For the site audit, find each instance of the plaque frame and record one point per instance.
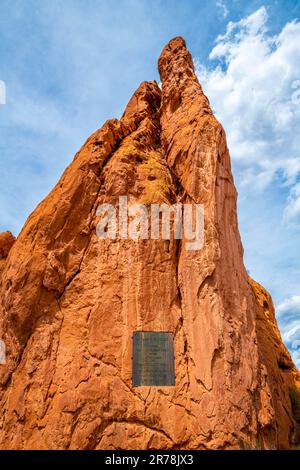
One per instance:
(153, 359)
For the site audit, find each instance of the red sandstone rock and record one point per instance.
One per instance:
(6, 242)
(70, 302)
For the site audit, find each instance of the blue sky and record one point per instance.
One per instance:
(70, 65)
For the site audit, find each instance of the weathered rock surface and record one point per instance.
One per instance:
(70, 301)
(6, 242)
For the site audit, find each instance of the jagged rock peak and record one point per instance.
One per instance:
(180, 84)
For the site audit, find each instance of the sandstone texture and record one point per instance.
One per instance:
(6, 242)
(70, 302)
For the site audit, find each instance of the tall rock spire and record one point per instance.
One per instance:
(70, 302)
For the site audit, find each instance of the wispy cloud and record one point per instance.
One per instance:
(292, 210)
(289, 320)
(250, 87)
(222, 8)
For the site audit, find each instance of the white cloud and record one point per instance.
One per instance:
(296, 94)
(289, 321)
(65, 80)
(292, 210)
(222, 8)
(2, 92)
(288, 305)
(251, 85)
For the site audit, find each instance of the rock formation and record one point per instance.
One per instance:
(70, 301)
(6, 242)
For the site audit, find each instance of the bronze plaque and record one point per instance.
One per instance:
(153, 358)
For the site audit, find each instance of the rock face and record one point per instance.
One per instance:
(6, 242)
(70, 301)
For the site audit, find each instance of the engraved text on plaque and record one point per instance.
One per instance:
(153, 358)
